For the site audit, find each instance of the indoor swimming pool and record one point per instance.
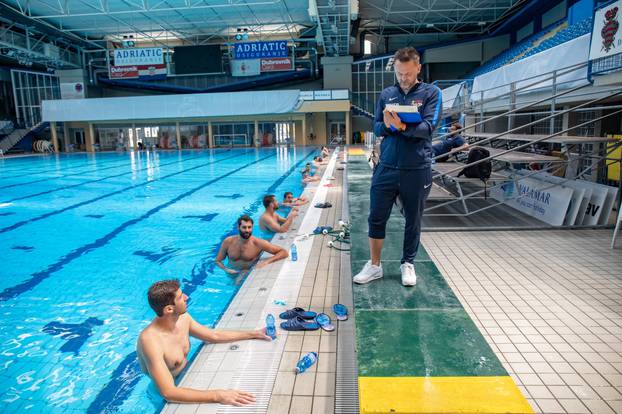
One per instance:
(84, 236)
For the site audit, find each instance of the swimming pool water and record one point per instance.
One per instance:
(83, 237)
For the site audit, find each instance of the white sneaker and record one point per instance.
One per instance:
(409, 278)
(368, 273)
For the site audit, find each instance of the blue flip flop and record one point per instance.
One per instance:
(299, 324)
(321, 229)
(294, 312)
(341, 311)
(325, 323)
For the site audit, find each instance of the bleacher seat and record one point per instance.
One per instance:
(527, 47)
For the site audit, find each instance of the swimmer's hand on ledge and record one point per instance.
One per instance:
(234, 397)
(261, 334)
(262, 263)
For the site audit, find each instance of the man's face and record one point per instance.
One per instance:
(246, 229)
(289, 198)
(406, 73)
(181, 303)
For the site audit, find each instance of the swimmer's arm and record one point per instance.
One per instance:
(222, 253)
(281, 219)
(278, 253)
(270, 223)
(215, 336)
(161, 376)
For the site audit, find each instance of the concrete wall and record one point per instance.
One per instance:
(317, 126)
(463, 52)
(362, 123)
(554, 14)
(337, 72)
(475, 51)
(525, 31)
(492, 47)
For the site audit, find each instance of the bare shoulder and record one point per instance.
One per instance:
(149, 338)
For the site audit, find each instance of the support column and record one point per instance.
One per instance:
(210, 136)
(66, 136)
(348, 136)
(178, 135)
(54, 136)
(304, 130)
(90, 138)
(256, 139)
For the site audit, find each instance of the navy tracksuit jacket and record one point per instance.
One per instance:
(404, 167)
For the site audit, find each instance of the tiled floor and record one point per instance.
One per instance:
(314, 390)
(550, 305)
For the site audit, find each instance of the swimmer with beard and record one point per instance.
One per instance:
(244, 250)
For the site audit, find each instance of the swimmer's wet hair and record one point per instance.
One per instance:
(267, 200)
(162, 294)
(244, 217)
(286, 194)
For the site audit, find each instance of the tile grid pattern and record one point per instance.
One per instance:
(549, 303)
(314, 390)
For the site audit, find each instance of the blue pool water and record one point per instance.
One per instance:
(83, 236)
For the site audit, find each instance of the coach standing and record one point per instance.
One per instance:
(404, 168)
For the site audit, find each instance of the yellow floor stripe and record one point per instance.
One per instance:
(441, 395)
(355, 151)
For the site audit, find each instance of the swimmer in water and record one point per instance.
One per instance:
(163, 347)
(270, 220)
(244, 249)
(290, 201)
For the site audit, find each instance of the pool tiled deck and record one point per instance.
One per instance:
(418, 349)
(549, 303)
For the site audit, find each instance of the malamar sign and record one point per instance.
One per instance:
(259, 50)
(138, 56)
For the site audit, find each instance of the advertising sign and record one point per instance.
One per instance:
(535, 198)
(138, 56)
(137, 71)
(245, 67)
(322, 95)
(277, 64)
(72, 90)
(260, 50)
(606, 33)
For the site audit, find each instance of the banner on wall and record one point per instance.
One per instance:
(260, 50)
(277, 64)
(72, 90)
(606, 33)
(245, 67)
(138, 56)
(147, 72)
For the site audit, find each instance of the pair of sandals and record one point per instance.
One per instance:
(299, 319)
(323, 205)
(322, 230)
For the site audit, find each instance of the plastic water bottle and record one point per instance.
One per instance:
(306, 362)
(270, 329)
(294, 252)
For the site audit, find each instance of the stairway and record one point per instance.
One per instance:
(12, 139)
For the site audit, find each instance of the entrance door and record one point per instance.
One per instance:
(284, 133)
(337, 133)
(78, 140)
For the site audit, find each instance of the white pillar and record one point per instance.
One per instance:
(54, 136)
(178, 135)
